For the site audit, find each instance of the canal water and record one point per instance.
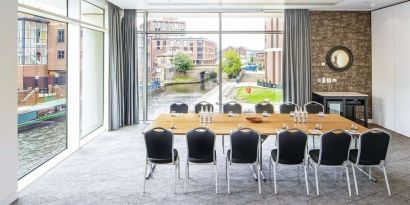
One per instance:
(38, 145)
(159, 101)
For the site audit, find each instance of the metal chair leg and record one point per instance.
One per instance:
(317, 182)
(226, 168)
(355, 180)
(227, 177)
(179, 169)
(306, 180)
(188, 170)
(145, 177)
(186, 176)
(175, 179)
(370, 173)
(387, 180)
(348, 180)
(274, 178)
(259, 178)
(216, 178)
(270, 167)
(223, 144)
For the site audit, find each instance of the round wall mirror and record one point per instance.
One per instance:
(339, 58)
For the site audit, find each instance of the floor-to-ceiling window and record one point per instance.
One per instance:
(92, 80)
(92, 70)
(60, 80)
(42, 90)
(183, 55)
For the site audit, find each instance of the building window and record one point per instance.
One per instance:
(60, 36)
(60, 55)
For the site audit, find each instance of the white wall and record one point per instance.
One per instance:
(383, 67)
(8, 105)
(391, 70)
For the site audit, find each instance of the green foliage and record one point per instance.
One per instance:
(231, 63)
(213, 75)
(252, 60)
(182, 62)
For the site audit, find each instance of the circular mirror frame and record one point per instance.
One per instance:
(329, 58)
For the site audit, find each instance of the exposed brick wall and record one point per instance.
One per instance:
(350, 29)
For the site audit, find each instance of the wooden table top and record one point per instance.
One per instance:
(223, 124)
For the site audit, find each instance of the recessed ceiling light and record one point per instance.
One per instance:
(372, 5)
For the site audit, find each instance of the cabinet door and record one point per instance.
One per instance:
(383, 67)
(402, 68)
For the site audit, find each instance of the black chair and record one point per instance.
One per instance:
(314, 107)
(287, 107)
(178, 107)
(290, 151)
(264, 107)
(204, 105)
(245, 145)
(334, 151)
(201, 150)
(372, 152)
(232, 107)
(159, 144)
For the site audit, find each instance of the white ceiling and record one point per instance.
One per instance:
(254, 4)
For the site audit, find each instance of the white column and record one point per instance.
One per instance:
(8, 105)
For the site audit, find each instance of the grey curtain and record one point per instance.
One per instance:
(122, 77)
(116, 108)
(130, 81)
(297, 57)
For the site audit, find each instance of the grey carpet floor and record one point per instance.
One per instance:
(110, 168)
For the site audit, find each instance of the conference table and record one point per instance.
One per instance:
(222, 124)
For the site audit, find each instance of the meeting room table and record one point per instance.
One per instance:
(223, 124)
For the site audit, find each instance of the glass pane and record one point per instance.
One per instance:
(252, 22)
(92, 80)
(42, 124)
(55, 6)
(252, 69)
(92, 14)
(183, 22)
(181, 68)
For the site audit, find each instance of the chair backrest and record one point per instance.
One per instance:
(201, 143)
(179, 107)
(159, 143)
(233, 107)
(203, 104)
(314, 107)
(264, 106)
(334, 147)
(287, 107)
(373, 147)
(291, 146)
(245, 144)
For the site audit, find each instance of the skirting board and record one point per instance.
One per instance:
(9, 199)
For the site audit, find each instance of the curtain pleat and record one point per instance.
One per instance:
(297, 57)
(123, 99)
(130, 81)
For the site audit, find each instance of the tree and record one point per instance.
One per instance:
(182, 62)
(231, 63)
(252, 60)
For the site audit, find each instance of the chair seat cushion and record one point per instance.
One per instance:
(207, 159)
(239, 161)
(164, 161)
(314, 155)
(274, 155)
(353, 154)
